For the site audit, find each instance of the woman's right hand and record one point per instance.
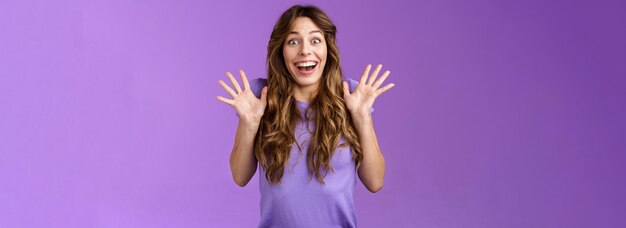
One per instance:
(249, 108)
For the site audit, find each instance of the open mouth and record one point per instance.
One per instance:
(306, 67)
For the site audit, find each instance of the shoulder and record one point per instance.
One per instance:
(256, 85)
(351, 84)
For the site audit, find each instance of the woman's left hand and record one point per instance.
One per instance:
(360, 101)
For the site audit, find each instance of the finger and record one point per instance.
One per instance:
(232, 80)
(346, 89)
(244, 79)
(227, 101)
(387, 87)
(374, 74)
(227, 88)
(381, 80)
(365, 74)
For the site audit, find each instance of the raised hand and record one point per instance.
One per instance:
(248, 106)
(360, 101)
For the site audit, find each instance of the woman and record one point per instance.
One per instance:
(304, 121)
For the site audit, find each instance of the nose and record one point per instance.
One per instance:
(306, 50)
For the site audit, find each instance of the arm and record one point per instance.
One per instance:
(243, 163)
(372, 169)
(249, 109)
(359, 103)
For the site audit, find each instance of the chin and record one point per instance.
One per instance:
(308, 80)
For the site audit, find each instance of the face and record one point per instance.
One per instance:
(305, 52)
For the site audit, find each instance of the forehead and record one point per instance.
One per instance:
(304, 25)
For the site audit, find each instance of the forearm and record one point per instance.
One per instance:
(372, 169)
(243, 163)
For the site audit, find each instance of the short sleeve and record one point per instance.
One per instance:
(352, 85)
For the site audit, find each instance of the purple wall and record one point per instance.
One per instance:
(504, 114)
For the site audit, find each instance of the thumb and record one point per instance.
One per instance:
(346, 90)
(264, 95)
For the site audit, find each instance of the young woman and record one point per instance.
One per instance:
(306, 122)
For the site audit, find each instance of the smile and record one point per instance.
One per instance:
(306, 67)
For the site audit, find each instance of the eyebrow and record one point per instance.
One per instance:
(318, 31)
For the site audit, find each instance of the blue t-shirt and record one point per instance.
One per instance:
(296, 202)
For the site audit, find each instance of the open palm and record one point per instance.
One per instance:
(248, 106)
(361, 100)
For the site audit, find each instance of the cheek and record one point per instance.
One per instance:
(323, 55)
(323, 52)
(287, 55)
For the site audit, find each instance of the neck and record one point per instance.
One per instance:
(305, 93)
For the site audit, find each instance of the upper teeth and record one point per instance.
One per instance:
(306, 64)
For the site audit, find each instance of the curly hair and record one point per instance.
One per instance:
(328, 110)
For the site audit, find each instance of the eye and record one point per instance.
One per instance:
(316, 41)
(293, 42)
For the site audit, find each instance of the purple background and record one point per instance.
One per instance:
(504, 114)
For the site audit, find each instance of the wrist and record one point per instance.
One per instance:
(251, 123)
(361, 120)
